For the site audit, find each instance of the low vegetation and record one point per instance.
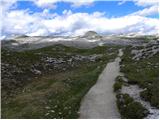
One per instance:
(118, 83)
(50, 82)
(130, 108)
(139, 64)
(143, 72)
(144, 38)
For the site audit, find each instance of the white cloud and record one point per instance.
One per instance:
(52, 3)
(146, 2)
(46, 3)
(69, 23)
(39, 32)
(18, 22)
(147, 11)
(21, 22)
(81, 3)
(46, 14)
(67, 12)
(6, 4)
(122, 2)
(49, 4)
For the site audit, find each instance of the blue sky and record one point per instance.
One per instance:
(111, 8)
(71, 17)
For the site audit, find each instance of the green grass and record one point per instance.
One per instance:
(64, 90)
(144, 38)
(145, 73)
(53, 94)
(129, 108)
(118, 84)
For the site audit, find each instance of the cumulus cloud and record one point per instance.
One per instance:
(81, 3)
(150, 7)
(49, 4)
(46, 3)
(147, 11)
(122, 2)
(6, 4)
(20, 22)
(69, 23)
(52, 3)
(146, 3)
(39, 32)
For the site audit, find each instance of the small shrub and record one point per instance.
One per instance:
(145, 95)
(117, 86)
(129, 108)
(135, 110)
(152, 95)
(143, 73)
(119, 78)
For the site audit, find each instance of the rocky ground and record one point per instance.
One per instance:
(140, 81)
(50, 82)
(89, 40)
(46, 77)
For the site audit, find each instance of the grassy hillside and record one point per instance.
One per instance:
(50, 82)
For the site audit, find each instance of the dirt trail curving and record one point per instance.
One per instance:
(100, 101)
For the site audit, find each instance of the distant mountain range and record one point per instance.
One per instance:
(87, 35)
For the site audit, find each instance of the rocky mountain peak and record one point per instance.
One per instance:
(91, 35)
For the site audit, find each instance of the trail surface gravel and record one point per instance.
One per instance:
(100, 101)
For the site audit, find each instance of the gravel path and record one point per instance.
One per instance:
(100, 101)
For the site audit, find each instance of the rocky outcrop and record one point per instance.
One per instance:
(92, 35)
(147, 51)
